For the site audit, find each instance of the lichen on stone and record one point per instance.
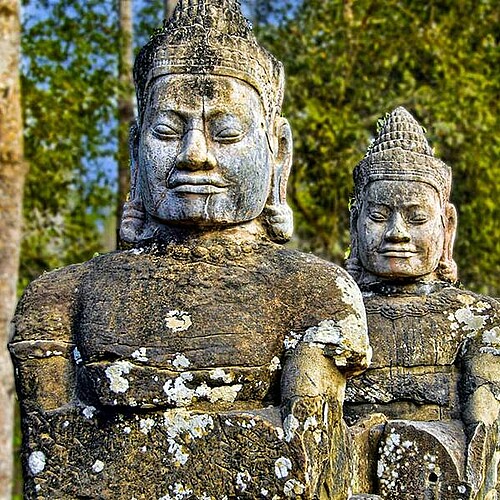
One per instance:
(115, 372)
(36, 462)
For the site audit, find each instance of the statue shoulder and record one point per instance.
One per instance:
(472, 311)
(46, 307)
(322, 285)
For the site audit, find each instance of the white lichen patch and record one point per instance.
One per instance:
(179, 492)
(181, 422)
(280, 433)
(179, 453)
(275, 364)
(88, 411)
(291, 341)
(178, 321)
(182, 425)
(177, 391)
(127, 430)
(471, 318)
(392, 454)
(115, 373)
(282, 467)
(244, 424)
(310, 423)
(293, 487)
(146, 424)
(203, 391)
(98, 466)
(327, 332)
(350, 292)
(492, 337)
(227, 393)
(140, 355)
(77, 356)
(36, 462)
(468, 300)
(264, 492)
(220, 374)
(290, 427)
(242, 480)
(468, 320)
(180, 361)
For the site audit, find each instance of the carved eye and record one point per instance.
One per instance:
(418, 219)
(377, 216)
(164, 131)
(227, 128)
(228, 135)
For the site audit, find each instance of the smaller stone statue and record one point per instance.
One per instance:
(425, 415)
(206, 361)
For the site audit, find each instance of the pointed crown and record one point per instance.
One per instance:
(210, 37)
(401, 152)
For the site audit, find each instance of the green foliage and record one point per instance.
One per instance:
(69, 88)
(348, 63)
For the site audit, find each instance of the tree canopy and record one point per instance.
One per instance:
(347, 62)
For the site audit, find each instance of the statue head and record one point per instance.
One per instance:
(402, 224)
(209, 148)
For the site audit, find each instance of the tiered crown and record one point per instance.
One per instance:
(401, 152)
(210, 37)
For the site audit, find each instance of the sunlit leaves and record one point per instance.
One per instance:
(348, 63)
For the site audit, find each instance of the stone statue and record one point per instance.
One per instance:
(426, 412)
(206, 361)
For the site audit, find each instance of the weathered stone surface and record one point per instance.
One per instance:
(126, 391)
(435, 373)
(205, 361)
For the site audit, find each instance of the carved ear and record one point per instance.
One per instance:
(133, 215)
(277, 215)
(133, 144)
(283, 160)
(447, 267)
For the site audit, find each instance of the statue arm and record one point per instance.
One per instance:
(344, 337)
(42, 346)
(481, 370)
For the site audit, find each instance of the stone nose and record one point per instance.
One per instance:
(396, 230)
(195, 154)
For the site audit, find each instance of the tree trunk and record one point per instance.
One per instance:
(169, 6)
(12, 174)
(125, 104)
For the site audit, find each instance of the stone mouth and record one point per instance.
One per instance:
(402, 253)
(198, 189)
(206, 184)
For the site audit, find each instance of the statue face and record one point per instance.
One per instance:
(400, 229)
(203, 154)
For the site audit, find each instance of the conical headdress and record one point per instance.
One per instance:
(210, 37)
(401, 152)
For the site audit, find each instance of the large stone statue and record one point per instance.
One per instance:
(206, 361)
(434, 383)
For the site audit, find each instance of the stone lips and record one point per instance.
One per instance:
(210, 37)
(401, 152)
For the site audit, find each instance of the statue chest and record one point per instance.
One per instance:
(180, 333)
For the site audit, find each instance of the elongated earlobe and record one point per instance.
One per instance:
(278, 216)
(447, 269)
(133, 214)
